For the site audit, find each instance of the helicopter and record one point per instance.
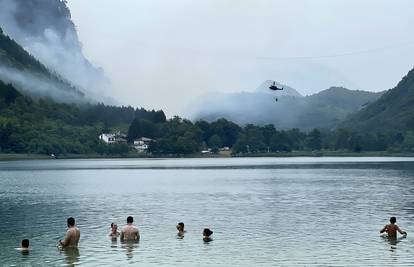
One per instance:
(274, 87)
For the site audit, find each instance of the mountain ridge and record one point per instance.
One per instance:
(394, 110)
(325, 109)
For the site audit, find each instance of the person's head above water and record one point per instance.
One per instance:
(71, 221)
(130, 219)
(207, 232)
(25, 243)
(180, 226)
(393, 220)
(114, 226)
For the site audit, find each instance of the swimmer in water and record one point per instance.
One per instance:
(114, 231)
(207, 235)
(391, 229)
(130, 232)
(180, 228)
(72, 235)
(24, 246)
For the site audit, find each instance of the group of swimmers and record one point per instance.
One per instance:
(129, 233)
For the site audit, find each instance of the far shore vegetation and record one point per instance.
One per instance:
(42, 128)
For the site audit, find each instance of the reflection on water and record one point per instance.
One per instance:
(264, 212)
(393, 241)
(129, 247)
(180, 236)
(114, 242)
(25, 252)
(71, 255)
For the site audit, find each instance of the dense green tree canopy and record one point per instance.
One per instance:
(44, 126)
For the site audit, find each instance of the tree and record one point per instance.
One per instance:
(178, 137)
(268, 131)
(215, 143)
(228, 131)
(408, 143)
(341, 139)
(314, 140)
(355, 143)
(251, 141)
(280, 142)
(141, 128)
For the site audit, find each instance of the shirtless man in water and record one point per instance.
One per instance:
(130, 232)
(72, 235)
(392, 229)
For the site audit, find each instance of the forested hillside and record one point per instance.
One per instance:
(17, 66)
(46, 30)
(328, 108)
(44, 126)
(393, 111)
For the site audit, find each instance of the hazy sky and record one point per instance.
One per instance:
(165, 53)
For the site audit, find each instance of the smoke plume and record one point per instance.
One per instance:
(45, 29)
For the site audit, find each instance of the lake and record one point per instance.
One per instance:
(263, 211)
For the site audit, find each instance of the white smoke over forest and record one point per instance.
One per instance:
(45, 29)
(285, 109)
(39, 86)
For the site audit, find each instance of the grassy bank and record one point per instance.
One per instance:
(4, 156)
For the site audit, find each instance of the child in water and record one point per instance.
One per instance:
(180, 229)
(207, 235)
(114, 231)
(392, 229)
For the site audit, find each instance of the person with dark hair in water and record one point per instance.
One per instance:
(114, 231)
(130, 232)
(207, 235)
(24, 246)
(180, 228)
(391, 229)
(72, 234)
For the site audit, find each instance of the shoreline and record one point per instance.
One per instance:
(15, 156)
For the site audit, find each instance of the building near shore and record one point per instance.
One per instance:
(142, 144)
(113, 138)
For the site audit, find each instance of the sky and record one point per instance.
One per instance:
(164, 54)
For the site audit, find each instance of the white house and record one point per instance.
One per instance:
(142, 144)
(116, 138)
(107, 138)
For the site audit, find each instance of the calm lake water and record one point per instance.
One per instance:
(263, 211)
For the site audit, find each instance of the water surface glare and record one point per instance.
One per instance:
(263, 211)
